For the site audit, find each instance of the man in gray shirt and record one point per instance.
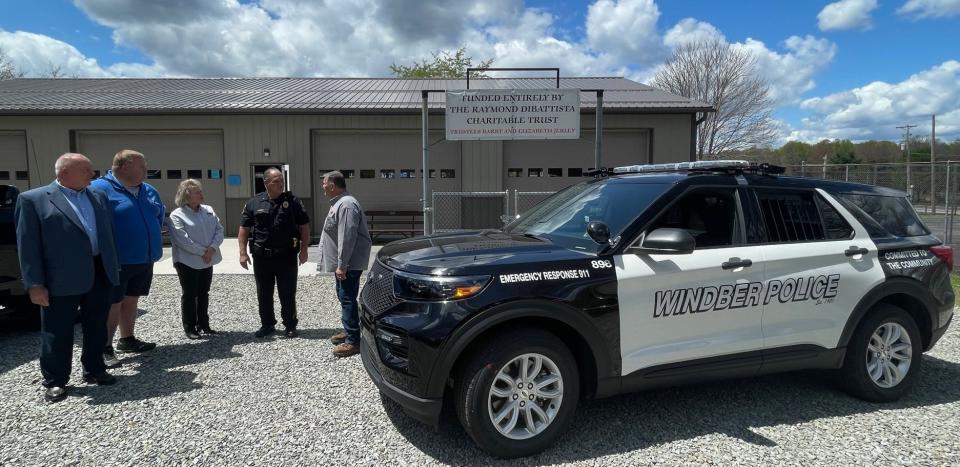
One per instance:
(345, 251)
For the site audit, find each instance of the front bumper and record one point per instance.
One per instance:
(424, 410)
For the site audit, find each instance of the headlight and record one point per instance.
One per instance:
(419, 287)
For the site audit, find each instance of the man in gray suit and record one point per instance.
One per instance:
(69, 262)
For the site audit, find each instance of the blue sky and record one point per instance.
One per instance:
(844, 69)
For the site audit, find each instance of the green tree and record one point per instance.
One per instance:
(795, 152)
(843, 153)
(878, 151)
(444, 65)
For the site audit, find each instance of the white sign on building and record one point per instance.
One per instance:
(500, 114)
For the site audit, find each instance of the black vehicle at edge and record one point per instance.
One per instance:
(440, 314)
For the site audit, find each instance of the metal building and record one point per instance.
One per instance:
(227, 131)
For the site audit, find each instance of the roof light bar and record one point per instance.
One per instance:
(683, 166)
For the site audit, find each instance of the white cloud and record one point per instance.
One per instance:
(625, 29)
(846, 14)
(930, 8)
(689, 30)
(874, 110)
(38, 55)
(792, 73)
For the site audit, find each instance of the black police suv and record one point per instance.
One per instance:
(650, 276)
(13, 297)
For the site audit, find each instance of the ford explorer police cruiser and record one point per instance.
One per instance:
(649, 276)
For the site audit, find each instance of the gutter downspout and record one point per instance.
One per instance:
(693, 134)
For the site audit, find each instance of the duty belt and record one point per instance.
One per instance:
(258, 250)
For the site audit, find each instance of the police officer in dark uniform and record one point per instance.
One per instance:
(276, 226)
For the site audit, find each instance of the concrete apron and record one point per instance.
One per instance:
(231, 261)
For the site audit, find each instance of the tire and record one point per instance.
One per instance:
(497, 365)
(883, 356)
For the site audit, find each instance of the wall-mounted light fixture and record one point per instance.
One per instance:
(266, 152)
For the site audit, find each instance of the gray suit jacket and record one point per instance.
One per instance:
(53, 246)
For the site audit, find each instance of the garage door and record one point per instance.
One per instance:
(171, 158)
(13, 161)
(549, 165)
(383, 169)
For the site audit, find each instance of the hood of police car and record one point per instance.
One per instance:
(474, 252)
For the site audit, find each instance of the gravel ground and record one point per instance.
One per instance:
(234, 400)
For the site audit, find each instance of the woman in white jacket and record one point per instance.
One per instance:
(196, 234)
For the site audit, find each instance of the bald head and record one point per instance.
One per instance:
(273, 182)
(73, 170)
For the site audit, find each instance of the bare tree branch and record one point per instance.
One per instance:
(714, 73)
(7, 68)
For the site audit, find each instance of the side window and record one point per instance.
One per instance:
(710, 215)
(791, 216)
(894, 215)
(836, 227)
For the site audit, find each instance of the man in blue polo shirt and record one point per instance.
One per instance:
(138, 215)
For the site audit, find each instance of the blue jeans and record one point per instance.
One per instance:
(347, 291)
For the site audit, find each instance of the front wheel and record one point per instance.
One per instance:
(516, 395)
(883, 356)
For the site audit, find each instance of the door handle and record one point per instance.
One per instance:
(853, 251)
(734, 263)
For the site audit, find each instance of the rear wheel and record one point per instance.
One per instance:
(517, 393)
(883, 356)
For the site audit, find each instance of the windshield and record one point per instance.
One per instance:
(563, 217)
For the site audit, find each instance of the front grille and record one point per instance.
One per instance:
(378, 293)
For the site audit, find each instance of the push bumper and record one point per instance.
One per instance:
(424, 410)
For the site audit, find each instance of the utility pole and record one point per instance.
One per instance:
(907, 128)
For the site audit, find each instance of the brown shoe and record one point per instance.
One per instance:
(338, 339)
(346, 350)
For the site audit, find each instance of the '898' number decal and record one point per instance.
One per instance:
(601, 264)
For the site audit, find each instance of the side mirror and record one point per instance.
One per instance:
(668, 241)
(599, 232)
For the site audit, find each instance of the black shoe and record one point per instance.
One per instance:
(103, 378)
(110, 358)
(55, 394)
(264, 331)
(132, 344)
(207, 331)
(191, 334)
(291, 332)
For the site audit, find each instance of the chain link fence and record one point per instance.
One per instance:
(524, 200)
(469, 210)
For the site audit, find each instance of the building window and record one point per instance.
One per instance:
(433, 173)
(367, 173)
(514, 173)
(324, 171)
(196, 174)
(4, 175)
(23, 175)
(214, 174)
(157, 174)
(408, 173)
(535, 172)
(388, 173)
(575, 172)
(555, 172)
(447, 173)
(348, 173)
